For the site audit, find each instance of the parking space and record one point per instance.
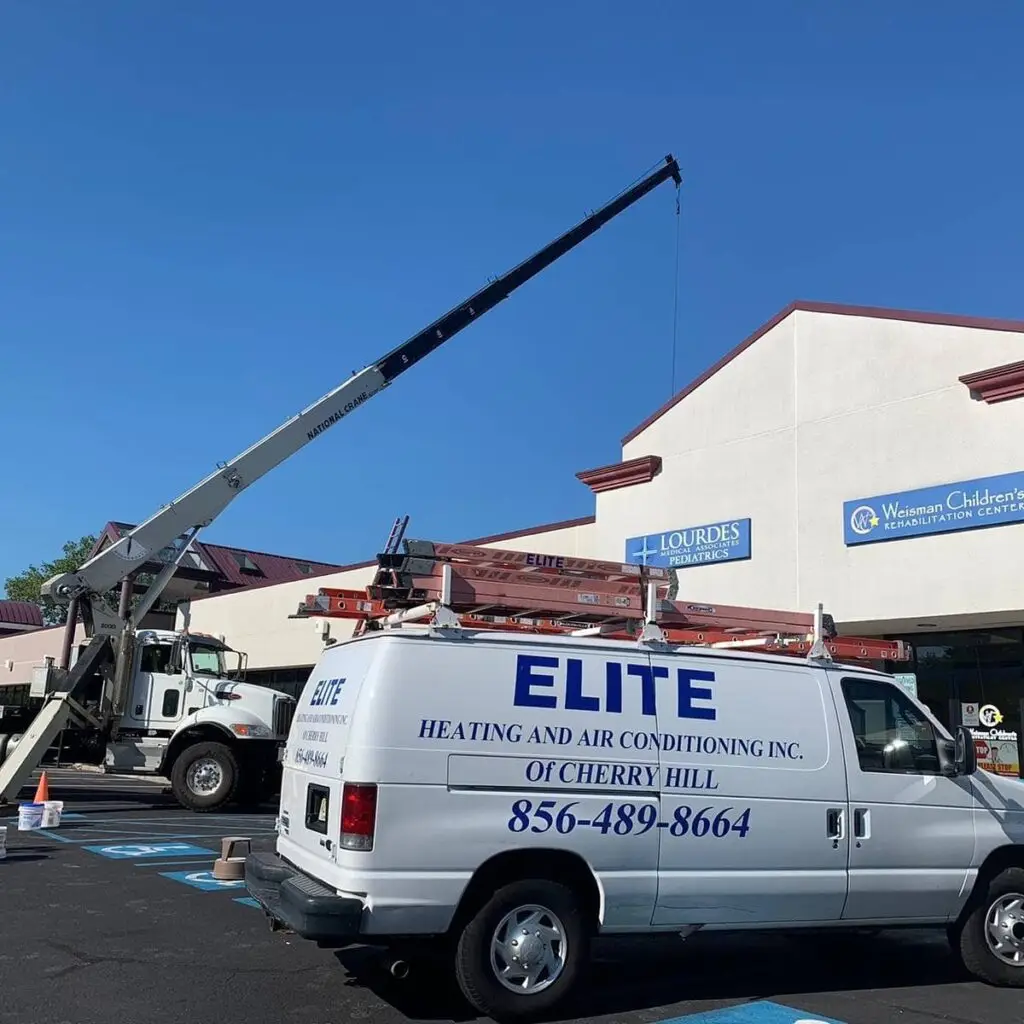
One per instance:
(116, 916)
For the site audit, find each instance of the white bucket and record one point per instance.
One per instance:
(30, 816)
(3, 841)
(52, 810)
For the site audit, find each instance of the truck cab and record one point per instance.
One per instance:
(190, 716)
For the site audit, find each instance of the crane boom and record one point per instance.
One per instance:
(200, 505)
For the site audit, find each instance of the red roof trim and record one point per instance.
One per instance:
(621, 474)
(21, 613)
(876, 312)
(564, 524)
(996, 385)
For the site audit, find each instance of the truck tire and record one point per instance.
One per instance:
(4, 737)
(992, 933)
(535, 918)
(205, 776)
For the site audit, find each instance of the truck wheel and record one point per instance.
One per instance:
(3, 746)
(205, 776)
(991, 940)
(523, 951)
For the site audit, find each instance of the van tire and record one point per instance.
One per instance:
(473, 970)
(972, 943)
(209, 753)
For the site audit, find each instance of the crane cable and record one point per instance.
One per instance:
(675, 300)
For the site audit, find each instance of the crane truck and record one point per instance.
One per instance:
(165, 702)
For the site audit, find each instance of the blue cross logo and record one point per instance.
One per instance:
(643, 552)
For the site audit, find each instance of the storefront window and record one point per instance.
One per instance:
(969, 670)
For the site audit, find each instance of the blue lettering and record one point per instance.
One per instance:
(537, 689)
(575, 700)
(613, 687)
(526, 680)
(648, 674)
(688, 693)
(326, 691)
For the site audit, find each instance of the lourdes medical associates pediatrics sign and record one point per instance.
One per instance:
(987, 501)
(726, 541)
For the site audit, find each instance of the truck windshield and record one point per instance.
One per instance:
(207, 661)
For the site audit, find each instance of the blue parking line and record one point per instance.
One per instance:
(247, 901)
(52, 835)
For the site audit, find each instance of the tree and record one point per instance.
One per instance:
(25, 586)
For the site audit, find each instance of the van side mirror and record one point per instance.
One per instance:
(966, 755)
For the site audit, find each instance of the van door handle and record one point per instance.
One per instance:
(834, 821)
(861, 822)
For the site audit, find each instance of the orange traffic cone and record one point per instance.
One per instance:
(42, 790)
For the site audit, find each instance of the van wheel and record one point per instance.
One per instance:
(991, 940)
(205, 776)
(523, 950)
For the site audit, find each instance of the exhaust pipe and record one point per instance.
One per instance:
(398, 968)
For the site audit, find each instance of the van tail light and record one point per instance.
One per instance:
(358, 815)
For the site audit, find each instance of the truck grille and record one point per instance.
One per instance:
(284, 711)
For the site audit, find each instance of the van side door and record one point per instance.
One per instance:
(912, 827)
(753, 827)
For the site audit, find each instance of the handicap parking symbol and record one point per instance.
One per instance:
(203, 880)
(137, 851)
(762, 1011)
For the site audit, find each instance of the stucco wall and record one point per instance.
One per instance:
(20, 653)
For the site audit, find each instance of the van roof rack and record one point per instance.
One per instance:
(472, 587)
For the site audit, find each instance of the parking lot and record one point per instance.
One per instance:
(115, 916)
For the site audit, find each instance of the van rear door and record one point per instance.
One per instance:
(309, 823)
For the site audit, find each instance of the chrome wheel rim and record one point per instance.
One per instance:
(204, 776)
(529, 949)
(1004, 929)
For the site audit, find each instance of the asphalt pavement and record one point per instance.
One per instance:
(115, 916)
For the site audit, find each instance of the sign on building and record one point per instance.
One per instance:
(998, 749)
(725, 541)
(968, 505)
(908, 680)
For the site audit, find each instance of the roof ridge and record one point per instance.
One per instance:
(837, 309)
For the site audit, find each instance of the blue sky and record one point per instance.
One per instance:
(210, 214)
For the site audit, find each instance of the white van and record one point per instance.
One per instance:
(508, 796)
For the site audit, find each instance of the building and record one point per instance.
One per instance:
(864, 458)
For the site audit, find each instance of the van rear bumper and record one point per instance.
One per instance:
(301, 903)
